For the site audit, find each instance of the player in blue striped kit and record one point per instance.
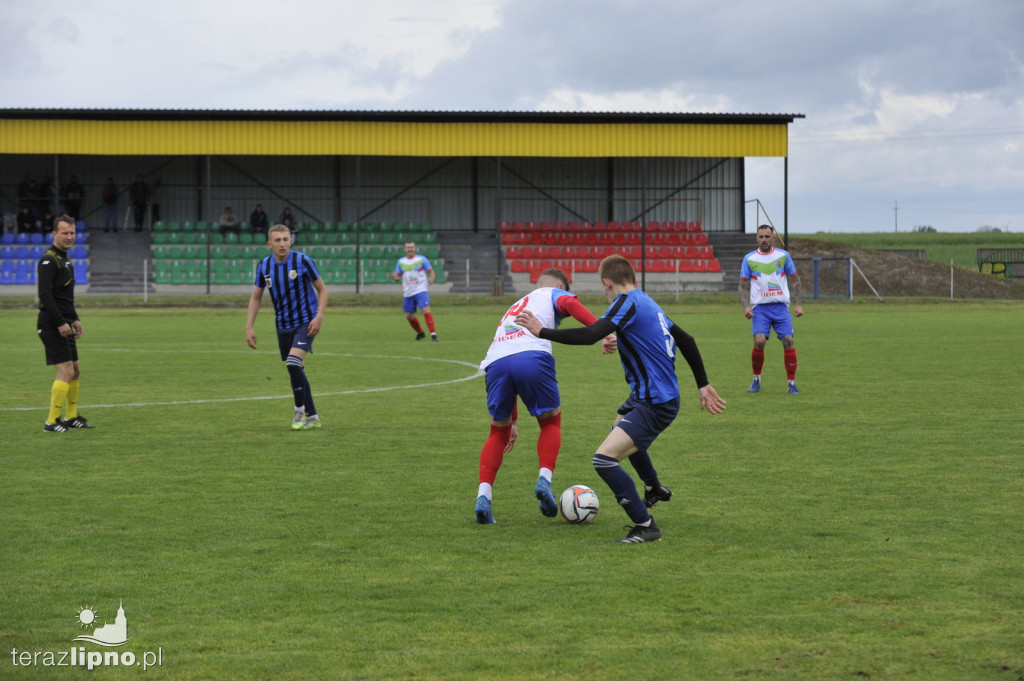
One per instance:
(300, 298)
(647, 342)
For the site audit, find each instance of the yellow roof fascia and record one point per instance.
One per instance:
(390, 138)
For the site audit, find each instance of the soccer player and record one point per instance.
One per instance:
(647, 343)
(300, 298)
(520, 365)
(59, 327)
(765, 295)
(415, 273)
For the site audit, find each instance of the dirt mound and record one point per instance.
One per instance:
(893, 275)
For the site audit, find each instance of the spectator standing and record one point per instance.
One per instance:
(73, 195)
(139, 192)
(110, 194)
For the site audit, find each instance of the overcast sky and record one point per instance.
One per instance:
(914, 102)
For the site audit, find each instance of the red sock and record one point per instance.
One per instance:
(549, 442)
(789, 357)
(430, 321)
(757, 360)
(493, 452)
(415, 324)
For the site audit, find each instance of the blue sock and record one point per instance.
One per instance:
(299, 382)
(622, 487)
(641, 461)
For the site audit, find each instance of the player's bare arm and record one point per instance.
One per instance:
(745, 298)
(254, 308)
(794, 290)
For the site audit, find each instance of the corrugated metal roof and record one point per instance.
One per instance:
(391, 133)
(579, 117)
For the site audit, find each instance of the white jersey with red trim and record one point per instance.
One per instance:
(510, 339)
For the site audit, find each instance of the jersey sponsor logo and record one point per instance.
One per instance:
(292, 274)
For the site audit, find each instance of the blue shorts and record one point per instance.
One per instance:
(528, 375)
(773, 315)
(294, 338)
(420, 300)
(644, 422)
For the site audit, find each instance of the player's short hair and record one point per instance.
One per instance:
(64, 217)
(278, 228)
(768, 227)
(558, 274)
(617, 269)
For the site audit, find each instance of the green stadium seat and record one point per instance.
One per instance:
(231, 238)
(160, 253)
(216, 238)
(163, 277)
(245, 238)
(171, 226)
(221, 277)
(174, 252)
(188, 226)
(236, 277)
(177, 277)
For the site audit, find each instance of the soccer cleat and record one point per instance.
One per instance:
(58, 427)
(483, 511)
(299, 420)
(755, 385)
(656, 494)
(638, 534)
(547, 500)
(434, 338)
(77, 422)
(792, 389)
(421, 335)
(312, 422)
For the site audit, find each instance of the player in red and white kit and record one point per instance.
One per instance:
(520, 365)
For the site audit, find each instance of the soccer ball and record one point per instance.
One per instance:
(578, 504)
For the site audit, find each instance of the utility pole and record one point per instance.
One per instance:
(896, 214)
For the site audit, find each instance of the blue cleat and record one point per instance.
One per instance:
(755, 386)
(547, 500)
(483, 510)
(792, 389)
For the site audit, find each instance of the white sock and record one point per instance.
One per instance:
(485, 491)
(545, 473)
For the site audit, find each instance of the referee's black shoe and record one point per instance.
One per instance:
(77, 422)
(58, 427)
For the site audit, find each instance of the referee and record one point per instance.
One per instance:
(59, 327)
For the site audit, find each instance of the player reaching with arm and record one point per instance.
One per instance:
(300, 298)
(647, 342)
(519, 365)
(766, 277)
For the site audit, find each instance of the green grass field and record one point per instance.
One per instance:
(960, 247)
(867, 528)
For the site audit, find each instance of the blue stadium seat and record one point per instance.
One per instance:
(7, 238)
(7, 277)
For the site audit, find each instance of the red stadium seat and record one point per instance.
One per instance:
(518, 266)
(701, 239)
(512, 252)
(714, 266)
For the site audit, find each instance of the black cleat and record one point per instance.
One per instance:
(638, 534)
(58, 427)
(434, 337)
(656, 494)
(77, 422)
(421, 335)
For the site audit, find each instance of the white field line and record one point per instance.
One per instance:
(476, 374)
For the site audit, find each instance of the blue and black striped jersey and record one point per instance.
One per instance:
(646, 347)
(290, 284)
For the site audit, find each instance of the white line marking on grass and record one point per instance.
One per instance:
(476, 367)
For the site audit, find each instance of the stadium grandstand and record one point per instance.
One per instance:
(491, 198)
